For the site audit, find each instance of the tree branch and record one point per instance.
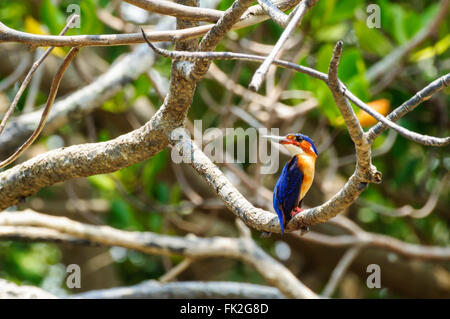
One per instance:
(296, 19)
(274, 13)
(178, 10)
(253, 16)
(182, 290)
(51, 98)
(339, 270)
(9, 290)
(190, 246)
(29, 75)
(419, 138)
(421, 96)
(74, 106)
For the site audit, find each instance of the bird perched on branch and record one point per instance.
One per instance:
(296, 177)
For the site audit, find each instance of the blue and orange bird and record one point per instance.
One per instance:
(296, 177)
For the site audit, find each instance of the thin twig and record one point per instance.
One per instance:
(48, 106)
(18, 72)
(409, 105)
(260, 73)
(432, 88)
(27, 79)
(413, 136)
(339, 270)
(175, 271)
(254, 15)
(243, 249)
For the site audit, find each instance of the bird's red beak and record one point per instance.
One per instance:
(287, 141)
(280, 139)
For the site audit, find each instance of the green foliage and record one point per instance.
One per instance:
(27, 262)
(140, 197)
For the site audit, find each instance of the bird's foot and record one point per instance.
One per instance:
(296, 210)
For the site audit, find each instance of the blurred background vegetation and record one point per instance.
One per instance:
(151, 195)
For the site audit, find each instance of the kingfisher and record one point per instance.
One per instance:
(296, 177)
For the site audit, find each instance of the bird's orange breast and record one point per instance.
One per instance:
(306, 164)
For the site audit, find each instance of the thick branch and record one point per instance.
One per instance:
(239, 248)
(217, 32)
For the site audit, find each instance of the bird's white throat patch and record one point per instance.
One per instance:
(294, 150)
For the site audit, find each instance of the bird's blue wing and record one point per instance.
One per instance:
(287, 190)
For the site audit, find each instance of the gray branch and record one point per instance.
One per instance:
(242, 248)
(186, 289)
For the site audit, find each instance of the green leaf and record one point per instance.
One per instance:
(53, 18)
(359, 86)
(372, 40)
(122, 215)
(90, 24)
(332, 33)
(152, 167)
(345, 10)
(163, 193)
(322, 12)
(142, 86)
(392, 21)
(155, 222)
(102, 182)
(351, 64)
(323, 58)
(116, 104)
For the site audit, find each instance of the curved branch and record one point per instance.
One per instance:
(421, 96)
(74, 106)
(296, 19)
(407, 250)
(29, 75)
(437, 85)
(190, 246)
(340, 270)
(51, 97)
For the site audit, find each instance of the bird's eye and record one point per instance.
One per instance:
(299, 138)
